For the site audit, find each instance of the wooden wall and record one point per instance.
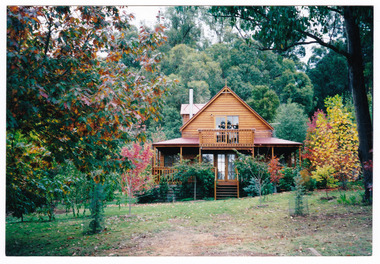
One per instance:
(225, 104)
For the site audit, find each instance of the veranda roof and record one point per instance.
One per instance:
(259, 142)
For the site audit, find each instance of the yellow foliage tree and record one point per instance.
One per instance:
(332, 140)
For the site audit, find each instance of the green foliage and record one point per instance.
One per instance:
(290, 122)
(183, 27)
(300, 203)
(154, 194)
(284, 28)
(286, 183)
(96, 208)
(325, 174)
(264, 101)
(296, 87)
(255, 170)
(200, 174)
(171, 122)
(353, 199)
(328, 73)
(252, 188)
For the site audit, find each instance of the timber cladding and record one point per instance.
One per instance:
(226, 104)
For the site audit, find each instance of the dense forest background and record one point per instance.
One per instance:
(281, 87)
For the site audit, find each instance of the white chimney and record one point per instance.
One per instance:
(191, 103)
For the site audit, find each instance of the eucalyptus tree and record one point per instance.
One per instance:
(328, 72)
(289, 28)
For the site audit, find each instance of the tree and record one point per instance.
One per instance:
(291, 122)
(328, 72)
(274, 168)
(137, 177)
(80, 106)
(171, 122)
(332, 140)
(264, 101)
(283, 28)
(182, 26)
(325, 174)
(294, 86)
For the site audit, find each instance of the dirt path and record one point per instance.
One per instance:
(183, 243)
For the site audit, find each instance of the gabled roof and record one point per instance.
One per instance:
(185, 108)
(226, 89)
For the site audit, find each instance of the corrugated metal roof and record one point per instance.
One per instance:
(179, 141)
(257, 142)
(274, 141)
(185, 109)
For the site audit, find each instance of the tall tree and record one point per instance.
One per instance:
(328, 72)
(136, 178)
(183, 27)
(291, 122)
(80, 106)
(264, 101)
(332, 141)
(283, 28)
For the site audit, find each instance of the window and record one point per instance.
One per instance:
(221, 167)
(226, 167)
(208, 158)
(170, 160)
(227, 122)
(231, 166)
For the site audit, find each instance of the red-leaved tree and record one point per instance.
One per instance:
(274, 168)
(137, 177)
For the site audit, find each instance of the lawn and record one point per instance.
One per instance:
(234, 227)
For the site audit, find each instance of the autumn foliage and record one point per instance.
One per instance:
(70, 80)
(136, 177)
(332, 142)
(81, 82)
(274, 168)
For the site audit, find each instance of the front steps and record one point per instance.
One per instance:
(224, 191)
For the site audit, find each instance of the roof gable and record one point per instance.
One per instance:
(224, 90)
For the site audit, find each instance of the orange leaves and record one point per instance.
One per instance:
(14, 9)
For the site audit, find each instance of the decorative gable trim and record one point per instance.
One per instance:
(225, 90)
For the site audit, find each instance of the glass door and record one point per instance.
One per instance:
(226, 167)
(231, 166)
(221, 167)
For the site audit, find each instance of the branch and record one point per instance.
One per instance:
(324, 44)
(291, 46)
(335, 10)
(48, 35)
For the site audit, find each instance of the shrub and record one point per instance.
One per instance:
(308, 182)
(286, 183)
(189, 174)
(149, 196)
(256, 170)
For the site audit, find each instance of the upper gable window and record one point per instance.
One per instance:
(227, 122)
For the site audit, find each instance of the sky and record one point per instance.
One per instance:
(148, 15)
(145, 14)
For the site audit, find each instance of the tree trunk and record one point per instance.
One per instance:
(195, 188)
(129, 200)
(358, 89)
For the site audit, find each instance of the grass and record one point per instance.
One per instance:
(224, 227)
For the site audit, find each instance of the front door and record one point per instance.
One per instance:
(226, 167)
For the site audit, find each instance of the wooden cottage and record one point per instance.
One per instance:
(217, 128)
